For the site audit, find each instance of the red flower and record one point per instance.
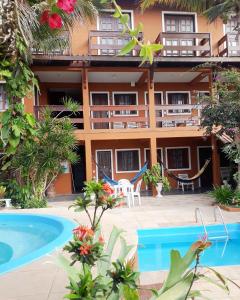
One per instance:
(44, 17)
(107, 188)
(66, 5)
(85, 249)
(54, 21)
(83, 232)
(101, 240)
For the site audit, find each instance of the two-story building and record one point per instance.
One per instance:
(130, 113)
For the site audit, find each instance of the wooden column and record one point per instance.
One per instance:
(86, 107)
(88, 154)
(215, 162)
(152, 113)
(153, 157)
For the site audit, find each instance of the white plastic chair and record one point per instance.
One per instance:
(125, 186)
(136, 193)
(183, 184)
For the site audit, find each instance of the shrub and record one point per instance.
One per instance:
(22, 196)
(223, 194)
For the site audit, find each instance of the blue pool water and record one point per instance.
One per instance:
(155, 245)
(26, 237)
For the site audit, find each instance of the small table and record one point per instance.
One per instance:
(7, 202)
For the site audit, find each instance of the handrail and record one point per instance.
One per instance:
(217, 209)
(199, 213)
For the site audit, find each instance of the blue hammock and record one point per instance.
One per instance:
(133, 180)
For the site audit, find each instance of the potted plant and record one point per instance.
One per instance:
(154, 176)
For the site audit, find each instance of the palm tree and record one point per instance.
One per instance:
(21, 18)
(212, 9)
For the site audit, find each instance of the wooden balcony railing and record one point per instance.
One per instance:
(129, 116)
(182, 115)
(184, 44)
(229, 45)
(61, 111)
(119, 116)
(109, 42)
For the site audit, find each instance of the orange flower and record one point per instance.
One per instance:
(85, 249)
(101, 240)
(106, 187)
(83, 232)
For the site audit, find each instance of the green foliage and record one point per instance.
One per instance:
(154, 176)
(22, 196)
(226, 195)
(2, 191)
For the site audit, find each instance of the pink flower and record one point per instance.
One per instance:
(107, 188)
(54, 21)
(44, 17)
(66, 5)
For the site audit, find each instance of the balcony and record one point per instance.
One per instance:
(109, 43)
(122, 117)
(184, 44)
(229, 45)
(61, 111)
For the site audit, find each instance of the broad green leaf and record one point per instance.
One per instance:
(125, 249)
(30, 119)
(128, 47)
(14, 141)
(156, 47)
(16, 130)
(129, 293)
(124, 19)
(135, 32)
(178, 291)
(5, 117)
(71, 271)
(5, 73)
(116, 14)
(5, 133)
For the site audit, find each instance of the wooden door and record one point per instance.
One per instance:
(206, 178)
(179, 24)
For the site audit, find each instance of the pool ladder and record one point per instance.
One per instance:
(217, 210)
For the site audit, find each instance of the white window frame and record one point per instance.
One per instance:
(91, 103)
(126, 149)
(124, 92)
(198, 160)
(96, 158)
(182, 92)
(189, 157)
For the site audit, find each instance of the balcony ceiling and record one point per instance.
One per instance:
(177, 76)
(73, 77)
(114, 77)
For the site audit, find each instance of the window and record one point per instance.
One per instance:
(104, 163)
(178, 158)
(125, 99)
(147, 155)
(128, 160)
(3, 103)
(178, 98)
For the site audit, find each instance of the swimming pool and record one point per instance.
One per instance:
(155, 245)
(26, 237)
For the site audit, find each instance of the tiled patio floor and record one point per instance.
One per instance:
(43, 280)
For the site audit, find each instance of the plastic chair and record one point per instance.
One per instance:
(183, 184)
(136, 193)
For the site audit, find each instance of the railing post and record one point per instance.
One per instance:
(86, 106)
(152, 113)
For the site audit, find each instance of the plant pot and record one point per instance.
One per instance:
(229, 208)
(159, 188)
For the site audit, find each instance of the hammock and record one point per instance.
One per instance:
(111, 181)
(195, 177)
